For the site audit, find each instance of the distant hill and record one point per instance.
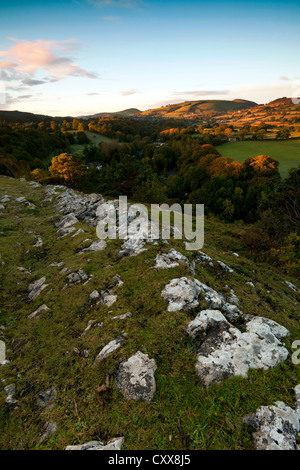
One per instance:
(201, 108)
(20, 116)
(124, 113)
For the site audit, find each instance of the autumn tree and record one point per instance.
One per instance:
(223, 166)
(67, 168)
(39, 175)
(261, 166)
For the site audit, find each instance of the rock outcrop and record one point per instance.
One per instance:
(277, 426)
(225, 350)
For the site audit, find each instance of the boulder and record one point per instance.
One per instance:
(276, 426)
(135, 377)
(181, 293)
(225, 350)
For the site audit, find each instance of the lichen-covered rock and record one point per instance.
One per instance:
(181, 293)
(217, 301)
(276, 426)
(206, 321)
(225, 350)
(113, 444)
(170, 260)
(78, 277)
(135, 378)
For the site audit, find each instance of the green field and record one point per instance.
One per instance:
(95, 139)
(287, 152)
(77, 149)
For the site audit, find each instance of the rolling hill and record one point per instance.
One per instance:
(202, 108)
(124, 113)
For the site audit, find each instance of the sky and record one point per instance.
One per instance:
(79, 57)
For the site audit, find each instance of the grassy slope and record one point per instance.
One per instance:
(95, 139)
(287, 152)
(44, 352)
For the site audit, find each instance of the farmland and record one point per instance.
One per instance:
(287, 152)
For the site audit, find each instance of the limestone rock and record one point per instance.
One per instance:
(67, 221)
(46, 399)
(107, 299)
(225, 267)
(10, 391)
(98, 245)
(291, 286)
(63, 232)
(135, 378)
(110, 348)
(170, 260)
(47, 431)
(2, 353)
(36, 288)
(38, 243)
(181, 293)
(225, 350)
(113, 444)
(41, 309)
(95, 294)
(122, 316)
(217, 301)
(276, 426)
(78, 277)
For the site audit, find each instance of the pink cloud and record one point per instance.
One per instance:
(25, 59)
(129, 92)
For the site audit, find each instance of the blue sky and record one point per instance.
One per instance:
(74, 57)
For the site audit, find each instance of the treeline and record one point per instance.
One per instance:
(156, 162)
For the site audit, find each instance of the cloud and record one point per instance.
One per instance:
(117, 3)
(25, 97)
(130, 92)
(92, 94)
(284, 78)
(25, 59)
(200, 93)
(32, 82)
